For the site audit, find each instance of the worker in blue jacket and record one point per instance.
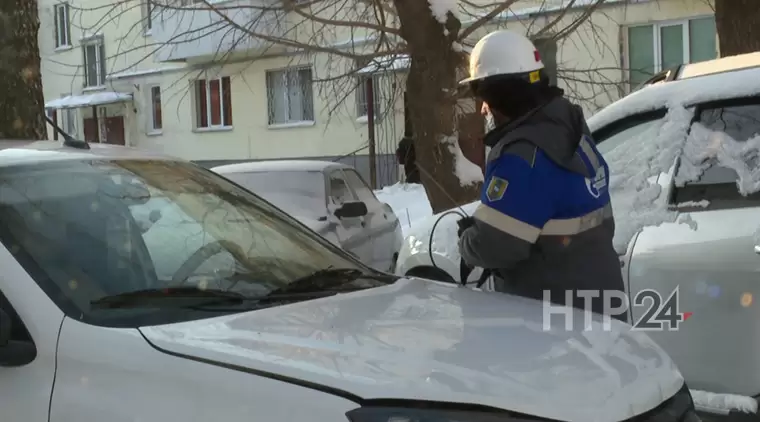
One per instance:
(545, 223)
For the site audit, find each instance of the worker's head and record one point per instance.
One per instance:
(507, 73)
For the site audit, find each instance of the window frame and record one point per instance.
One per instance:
(152, 129)
(750, 201)
(270, 74)
(62, 7)
(147, 17)
(361, 90)
(224, 97)
(657, 43)
(627, 122)
(363, 182)
(100, 62)
(350, 190)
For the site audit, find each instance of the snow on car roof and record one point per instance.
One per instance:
(30, 152)
(278, 165)
(686, 92)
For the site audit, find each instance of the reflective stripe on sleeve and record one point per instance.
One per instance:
(589, 151)
(571, 226)
(507, 224)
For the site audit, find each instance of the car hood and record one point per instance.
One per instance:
(424, 340)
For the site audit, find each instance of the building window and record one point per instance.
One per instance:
(658, 46)
(289, 95)
(62, 29)
(94, 63)
(147, 19)
(156, 119)
(213, 100)
(362, 102)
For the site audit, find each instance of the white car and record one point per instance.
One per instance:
(331, 199)
(700, 220)
(296, 330)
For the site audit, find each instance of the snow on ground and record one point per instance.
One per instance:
(721, 403)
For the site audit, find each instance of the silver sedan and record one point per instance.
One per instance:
(330, 198)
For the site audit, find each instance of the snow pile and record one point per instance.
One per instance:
(468, 172)
(722, 403)
(409, 202)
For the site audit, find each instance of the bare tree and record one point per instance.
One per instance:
(21, 107)
(429, 37)
(738, 25)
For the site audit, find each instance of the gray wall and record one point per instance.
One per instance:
(387, 168)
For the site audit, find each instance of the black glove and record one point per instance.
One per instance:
(464, 223)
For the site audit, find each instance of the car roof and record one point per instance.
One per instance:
(723, 64)
(685, 92)
(17, 152)
(706, 68)
(278, 165)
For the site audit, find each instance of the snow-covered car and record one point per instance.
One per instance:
(330, 198)
(299, 331)
(684, 182)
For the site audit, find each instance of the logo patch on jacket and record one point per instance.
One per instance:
(496, 188)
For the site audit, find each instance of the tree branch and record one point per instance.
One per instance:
(485, 19)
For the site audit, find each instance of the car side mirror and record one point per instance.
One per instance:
(13, 353)
(352, 209)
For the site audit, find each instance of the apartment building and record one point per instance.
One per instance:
(171, 80)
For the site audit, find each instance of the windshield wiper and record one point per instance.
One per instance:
(329, 279)
(171, 296)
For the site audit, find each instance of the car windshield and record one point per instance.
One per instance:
(299, 193)
(88, 230)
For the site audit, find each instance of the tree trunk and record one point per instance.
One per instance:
(431, 88)
(738, 26)
(22, 103)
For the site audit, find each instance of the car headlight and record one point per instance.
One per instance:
(402, 414)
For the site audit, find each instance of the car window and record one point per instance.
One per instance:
(299, 193)
(340, 193)
(721, 132)
(360, 188)
(617, 133)
(82, 236)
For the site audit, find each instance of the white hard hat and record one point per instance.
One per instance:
(504, 53)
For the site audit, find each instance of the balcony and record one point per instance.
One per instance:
(197, 33)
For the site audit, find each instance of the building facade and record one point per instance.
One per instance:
(187, 82)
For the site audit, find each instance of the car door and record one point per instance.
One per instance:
(351, 231)
(380, 221)
(711, 258)
(25, 388)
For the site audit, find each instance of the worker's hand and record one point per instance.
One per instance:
(464, 223)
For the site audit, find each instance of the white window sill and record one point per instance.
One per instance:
(213, 129)
(63, 48)
(93, 88)
(154, 132)
(305, 123)
(365, 119)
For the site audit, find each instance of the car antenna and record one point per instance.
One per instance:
(68, 140)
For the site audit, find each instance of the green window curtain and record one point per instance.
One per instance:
(640, 54)
(671, 46)
(702, 35)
